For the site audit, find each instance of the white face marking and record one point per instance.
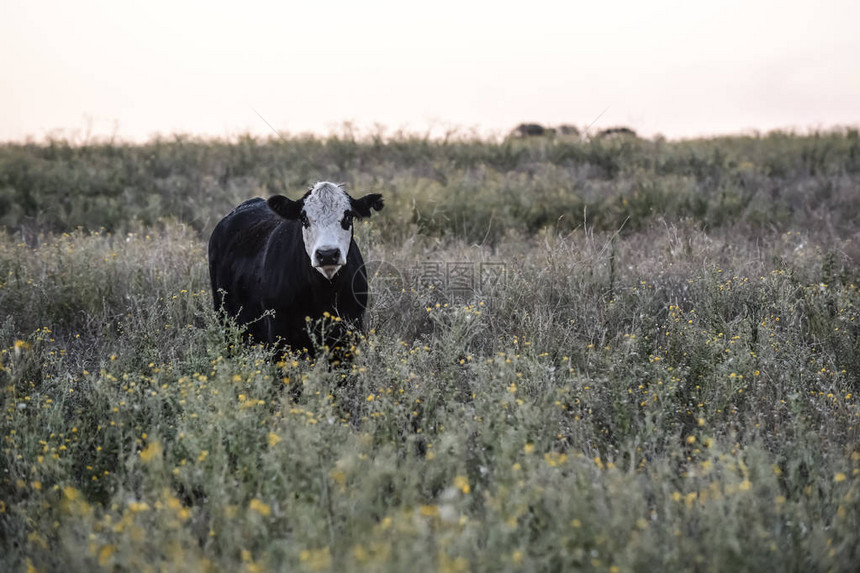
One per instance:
(322, 227)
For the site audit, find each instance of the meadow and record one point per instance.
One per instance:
(603, 355)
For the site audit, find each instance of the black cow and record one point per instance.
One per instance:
(530, 130)
(296, 258)
(616, 133)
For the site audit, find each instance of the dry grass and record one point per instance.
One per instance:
(679, 395)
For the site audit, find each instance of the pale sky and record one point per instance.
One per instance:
(680, 68)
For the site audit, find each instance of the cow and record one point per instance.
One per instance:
(278, 265)
(529, 130)
(616, 133)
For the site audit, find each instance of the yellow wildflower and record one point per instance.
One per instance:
(138, 506)
(316, 559)
(260, 507)
(429, 510)
(105, 554)
(462, 483)
(150, 452)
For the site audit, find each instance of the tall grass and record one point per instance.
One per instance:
(673, 392)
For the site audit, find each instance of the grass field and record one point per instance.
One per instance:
(606, 355)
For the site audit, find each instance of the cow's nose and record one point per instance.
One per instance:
(326, 257)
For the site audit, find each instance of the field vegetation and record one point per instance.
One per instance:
(603, 355)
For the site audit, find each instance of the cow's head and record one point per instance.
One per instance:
(326, 213)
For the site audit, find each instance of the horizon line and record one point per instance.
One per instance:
(378, 130)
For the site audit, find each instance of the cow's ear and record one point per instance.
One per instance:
(285, 207)
(361, 207)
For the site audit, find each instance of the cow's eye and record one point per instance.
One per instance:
(304, 220)
(346, 222)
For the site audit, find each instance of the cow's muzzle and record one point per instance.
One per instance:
(328, 257)
(328, 261)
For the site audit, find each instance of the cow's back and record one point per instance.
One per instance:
(236, 250)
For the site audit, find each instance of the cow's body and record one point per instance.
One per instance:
(259, 262)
